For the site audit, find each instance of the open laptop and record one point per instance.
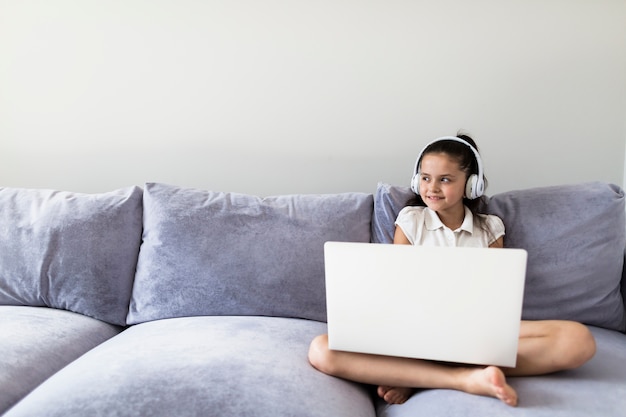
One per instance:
(458, 305)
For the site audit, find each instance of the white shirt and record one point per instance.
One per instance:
(422, 226)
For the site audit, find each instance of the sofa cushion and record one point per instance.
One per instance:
(70, 251)
(575, 238)
(388, 201)
(214, 253)
(200, 366)
(36, 342)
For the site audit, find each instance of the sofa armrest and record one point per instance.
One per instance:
(623, 286)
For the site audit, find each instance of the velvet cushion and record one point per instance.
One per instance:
(575, 238)
(214, 253)
(36, 342)
(388, 201)
(70, 251)
(201, 366)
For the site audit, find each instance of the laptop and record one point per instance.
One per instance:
(460, 305)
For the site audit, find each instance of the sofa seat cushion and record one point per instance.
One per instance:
(214, 253)
(35, 342)
(71, 251)
(596, 389)
(201, 366)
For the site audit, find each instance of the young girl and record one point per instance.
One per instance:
(448, 181)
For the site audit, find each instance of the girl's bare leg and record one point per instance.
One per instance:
(389, 371)
(544, 347)
(548, 346)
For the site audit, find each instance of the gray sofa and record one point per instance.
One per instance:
(169, 301)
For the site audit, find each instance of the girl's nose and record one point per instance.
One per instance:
(433, 186)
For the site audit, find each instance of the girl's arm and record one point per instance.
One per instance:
(400, 238)
(499, 243)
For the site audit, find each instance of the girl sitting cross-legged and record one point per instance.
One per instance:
(447, 183)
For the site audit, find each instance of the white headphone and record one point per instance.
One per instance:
(475, 185)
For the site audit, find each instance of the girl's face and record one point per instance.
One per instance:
(442, 183)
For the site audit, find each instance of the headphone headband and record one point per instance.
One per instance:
(475, 186)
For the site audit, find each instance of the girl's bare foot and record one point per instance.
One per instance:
(394, 395)
(490, 381)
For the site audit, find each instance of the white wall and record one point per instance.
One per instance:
(287, 96)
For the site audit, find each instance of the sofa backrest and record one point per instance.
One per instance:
(575, 236)
(214, 253)
(70, 251)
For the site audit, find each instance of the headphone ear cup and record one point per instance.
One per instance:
(415, 183)
(471, 187)
(474, 187)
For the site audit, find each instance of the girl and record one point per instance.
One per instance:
(447, 183)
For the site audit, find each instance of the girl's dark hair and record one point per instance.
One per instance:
(466, 160)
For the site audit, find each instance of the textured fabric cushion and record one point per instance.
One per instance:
(213, 253)
(200, 366)
(388, 201)
(70, 251)
(575, 237)
(36, 342)
(595, 389)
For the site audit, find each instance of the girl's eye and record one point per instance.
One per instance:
(445, 180)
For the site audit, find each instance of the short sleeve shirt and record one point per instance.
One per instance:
(422, 226)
